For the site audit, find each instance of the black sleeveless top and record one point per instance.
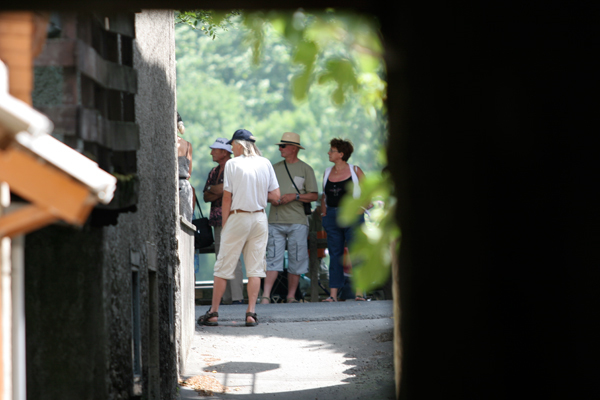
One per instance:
(334, 191)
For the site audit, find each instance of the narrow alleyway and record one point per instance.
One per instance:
(299, 351)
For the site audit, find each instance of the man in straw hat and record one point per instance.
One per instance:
(213, 193)
(287, 219)
(248, 184)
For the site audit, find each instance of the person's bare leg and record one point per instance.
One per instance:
(237, 283)
(227, 293)
(253, 289)
(333, 294)
(268, 286)
(218, 290)
(293, 281)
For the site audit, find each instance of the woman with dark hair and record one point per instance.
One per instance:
(336, 182)
(184, 159)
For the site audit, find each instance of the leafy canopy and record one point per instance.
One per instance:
(319, 74)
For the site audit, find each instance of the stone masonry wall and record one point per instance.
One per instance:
(85, 287)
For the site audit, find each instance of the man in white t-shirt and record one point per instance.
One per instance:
(249, 183)
(288, 224)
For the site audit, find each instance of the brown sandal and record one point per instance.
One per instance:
(204, 319)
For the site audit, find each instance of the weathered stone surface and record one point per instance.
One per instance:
(81, 283)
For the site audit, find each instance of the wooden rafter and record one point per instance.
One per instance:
(24, 220)
(45, 186)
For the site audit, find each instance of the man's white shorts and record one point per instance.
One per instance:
(245, 233)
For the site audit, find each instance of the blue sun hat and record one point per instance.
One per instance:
(242, 134)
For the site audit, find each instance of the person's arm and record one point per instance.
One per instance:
(359, 173)
(309, 197)
(311, 187)
(304, 197)
(226, 206)
(215, 193)
(205, 193)
(209, 197)
(273, 196)
(275, 202)
(189, 157)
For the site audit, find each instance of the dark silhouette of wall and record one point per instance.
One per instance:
(492, 160)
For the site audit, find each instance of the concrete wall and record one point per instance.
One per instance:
(154, 60)
(155, 63)
(84, 287)
(185, 322)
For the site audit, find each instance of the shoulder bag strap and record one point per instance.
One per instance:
(201, 215)
(288, 171)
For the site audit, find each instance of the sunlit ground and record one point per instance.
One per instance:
(253, 370)
(302, 359)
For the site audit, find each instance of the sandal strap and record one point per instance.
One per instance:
(209, 314)
(253, 315)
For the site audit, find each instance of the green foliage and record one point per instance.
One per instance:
(351, 40)
(342, 73)
(306, 55)
(379, 237)
(220, 89)
(208, 21)
(255, 24)
(320, 75)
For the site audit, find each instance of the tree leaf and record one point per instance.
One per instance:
(300, 85)
(306, 54)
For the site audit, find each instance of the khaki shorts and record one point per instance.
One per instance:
(247, 234)
(295, 236)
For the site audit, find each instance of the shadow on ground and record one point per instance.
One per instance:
(299, 351)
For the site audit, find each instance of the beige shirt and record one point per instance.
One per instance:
(304, 176)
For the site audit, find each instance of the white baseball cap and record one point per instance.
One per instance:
(221, 143)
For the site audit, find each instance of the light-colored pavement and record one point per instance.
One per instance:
(298, 351)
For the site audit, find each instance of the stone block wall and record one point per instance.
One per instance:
(102, 301)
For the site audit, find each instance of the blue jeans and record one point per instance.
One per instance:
(337, 238)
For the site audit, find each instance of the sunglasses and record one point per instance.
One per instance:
(282, 146)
